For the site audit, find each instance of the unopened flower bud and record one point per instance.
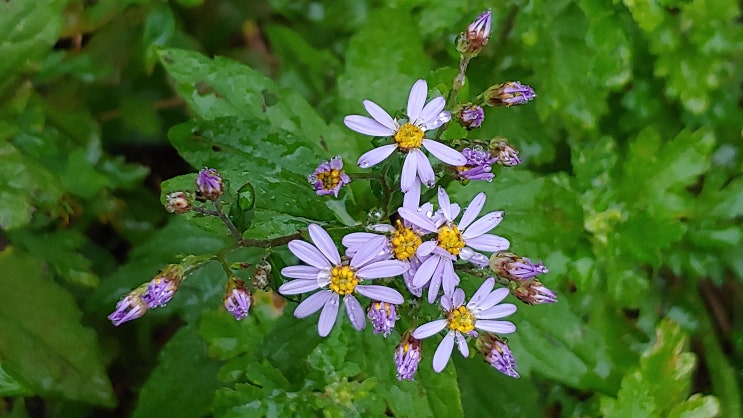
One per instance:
(478, 166)
(470, 42)
(471, 116)
(514, 267)
(497, 354)
(532, 292)
(510, 93)
(407, 357)
(382, 316)
(329, 177)
(209, 183)
(504, 153)
(162, 288)
(237, 298)
(130, 307)
(262, 272)
(178, 202)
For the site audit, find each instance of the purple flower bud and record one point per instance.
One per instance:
(209, 183)
(130, 307)
(510, 93)
(514, 267)
(178, 202)
(329, 177)
(382, 316)
(237, 298)
(476, 36)
(504, 153)
(471, 116)
(162, 288)
(478, 166)
(532, 292)
(407, 357)
(497, 354)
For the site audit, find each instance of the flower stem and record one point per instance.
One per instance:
(228, 223)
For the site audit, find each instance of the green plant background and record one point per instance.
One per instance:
(630, 191)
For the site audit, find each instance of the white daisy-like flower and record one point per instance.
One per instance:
(409, 136)
(462, 320)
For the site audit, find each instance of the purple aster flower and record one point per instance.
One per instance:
(497, 354)
(209, 183)
(178, 202)
(162, 288)
(336, 277)
(407, 357)
(471, 116)
(237, 298)
(462, 320)
(382, 316)
(453, 241)
(329, 177)
(130, 307)
(514, 267)
(478, 166)
(471, 41)
(505, 154)
(532, 292)
(409, 136)
(510, 93)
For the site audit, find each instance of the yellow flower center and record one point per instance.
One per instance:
(450, 239)
(408, 137)
(329, 179)
(461, 319)
(343, 280)
(404, 242)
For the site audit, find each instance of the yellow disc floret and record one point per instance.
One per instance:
(450, 239)
(343, 280)
(461, 319)
(409, 137)
(329, 179)
(404, 242)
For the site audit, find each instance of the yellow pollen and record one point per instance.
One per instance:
(343, 280)
(408, 137)
(461, 319)
(404, 242)
(329, 179)
(450, 239)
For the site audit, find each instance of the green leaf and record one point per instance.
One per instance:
(47, 350)
(184, 376)
(697, 406)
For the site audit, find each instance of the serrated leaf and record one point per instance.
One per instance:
(47, 349)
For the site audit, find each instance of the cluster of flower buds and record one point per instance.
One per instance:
(208, 186)
(153, 294)
(522, 273)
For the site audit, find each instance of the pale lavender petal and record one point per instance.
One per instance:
(298, 286)
(301, 272)
(495, 297)
(367, 126)
(355, 312)
(462, 344)
(482, 292)
(309, 254)
(497, 311)
(457, 298)
(472, 211)
(429, 329)
(409, 168)
(425, 171)
(445, 204)
(381, 293)
(435, 284)
(382, 269)
(324, 243)
(446, 302)
(412, 197)
(474, 257)
(375, 156)
(425, 271)
(449, 278)
(431, 111)
(356, 239)
(444, 152)
(441, 119)
(328, 315)
(416, 99)
(443, 352)
(454, 210)
(368, 252)
(380, 115)
(417, 219)
(426, 248)
(313, 303)
(488, 242)
(498, 327)
(483, 225)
